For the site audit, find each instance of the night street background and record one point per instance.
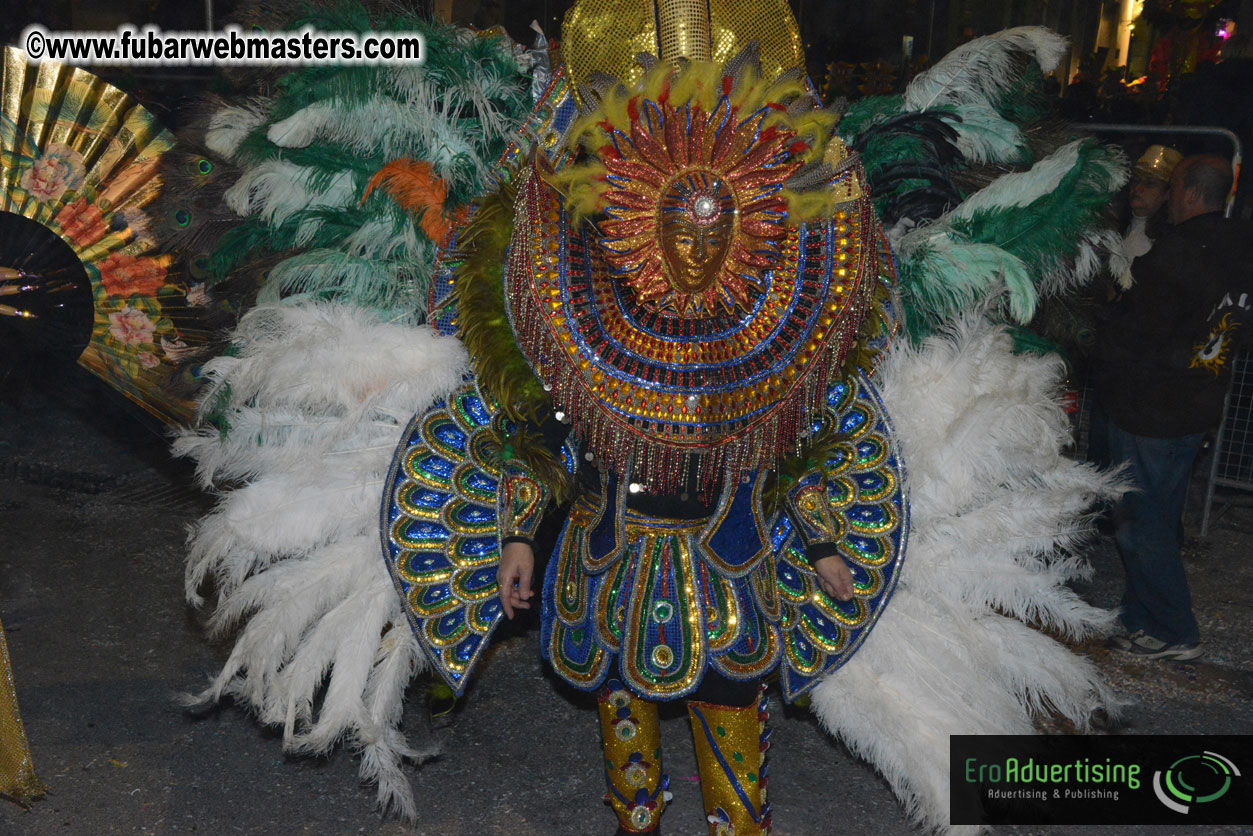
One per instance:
(94, 514)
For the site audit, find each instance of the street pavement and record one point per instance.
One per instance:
(93, 518)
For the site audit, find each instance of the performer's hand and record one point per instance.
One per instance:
(513, 576)
(834, 577)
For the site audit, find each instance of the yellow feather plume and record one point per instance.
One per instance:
(703, 84)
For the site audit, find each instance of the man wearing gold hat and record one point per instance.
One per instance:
(1147, 195)
(1162, 377)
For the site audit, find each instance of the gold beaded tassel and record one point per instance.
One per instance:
(631, 737)
(731, 743)
(17, 772)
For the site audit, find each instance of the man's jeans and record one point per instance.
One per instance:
(1148, 524)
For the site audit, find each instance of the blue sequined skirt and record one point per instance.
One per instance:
(656, 603)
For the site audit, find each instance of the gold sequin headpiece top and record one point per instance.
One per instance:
(606, 36)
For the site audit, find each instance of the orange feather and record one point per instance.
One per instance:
(414, 186)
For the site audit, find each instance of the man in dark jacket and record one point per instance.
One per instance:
(1163, 369)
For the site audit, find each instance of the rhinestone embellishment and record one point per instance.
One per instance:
(704, 208)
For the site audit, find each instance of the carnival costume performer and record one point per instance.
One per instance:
(692, 297)
(675, 308)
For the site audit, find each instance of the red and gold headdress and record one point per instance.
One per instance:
(699, 267)
(693, 172)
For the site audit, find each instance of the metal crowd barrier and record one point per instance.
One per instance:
(1231, 465)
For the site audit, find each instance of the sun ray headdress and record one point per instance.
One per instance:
(697, 268)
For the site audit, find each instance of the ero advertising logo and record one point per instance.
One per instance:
(1194, 779)
(1080, 779)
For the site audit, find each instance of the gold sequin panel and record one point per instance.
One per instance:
(606, 35)
(731, 743)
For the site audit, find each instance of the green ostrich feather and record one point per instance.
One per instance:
(1019, 230)
(1044, 231)
(985, 131)
(863, 113)
(333, 227)
(483, 326)
(322, 161)
(943, 276)
(238, 243)
(331, 128)
(1029, 342)
(1026, 103)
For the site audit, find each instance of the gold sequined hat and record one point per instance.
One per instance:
(1158, 162)
(606, 36)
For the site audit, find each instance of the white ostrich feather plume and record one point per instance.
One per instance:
(1023, 188)
(274, 190)
(316, 398)
(385, 124)
(964, 272)
(996, 509)
(981, 71)
(231, 124)
(984, 136)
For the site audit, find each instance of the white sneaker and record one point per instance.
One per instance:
(1143, 646)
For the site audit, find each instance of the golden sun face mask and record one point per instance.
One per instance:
(697, 214)
(689, 171)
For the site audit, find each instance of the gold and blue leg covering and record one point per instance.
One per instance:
(631, 737)
(731, 745)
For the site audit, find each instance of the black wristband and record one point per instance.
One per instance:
(817, 551)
